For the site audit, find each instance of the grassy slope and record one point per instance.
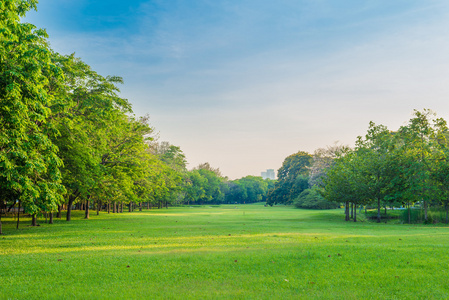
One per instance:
(245, 251)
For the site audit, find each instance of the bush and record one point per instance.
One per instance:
(312, 199)
(434, 215)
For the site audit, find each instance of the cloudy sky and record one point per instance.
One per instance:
(242, 84)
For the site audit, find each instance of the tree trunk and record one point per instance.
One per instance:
(425, 211)
(72, 198)
(352, 210)
(59, 215)
(166, 204)
(378, 210)
(355, 213)
(86, 214)
(1, 232)
(98, 207)
(9, 209)
(148, 205)
(51, 217)
(18, 217)
(346, 211)
(69, 209)
(33, 220)
(130, 206)
(109, 206)
(114, 207)
(140, 206)
(447, 213)
(121, 206)
(409, 214)
(385, 209)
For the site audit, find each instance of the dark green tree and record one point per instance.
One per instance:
(292, 179)
(312, 199)
(421, 144)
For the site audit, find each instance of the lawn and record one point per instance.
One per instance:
(223, 252)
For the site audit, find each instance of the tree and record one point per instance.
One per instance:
(421, 140)
(29, 162)
(377, 172)
(175, 177)
(248, 189)
(195, 186)
(205, 185)
(323, 159)
(441, 176)
(369, 173)
(342, 183)
(102, 146)
(292, 179)
(170, 154)
(208, 167)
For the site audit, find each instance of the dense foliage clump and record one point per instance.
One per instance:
(312, 199)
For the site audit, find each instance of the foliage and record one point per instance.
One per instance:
(323, 159)
(292, 179)
(312, 199)
(170, 155)
(248, 189)
(66, 136)
(434, 215)
(394, 168)
(29, 162)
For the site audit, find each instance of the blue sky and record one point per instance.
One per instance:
(243, 84)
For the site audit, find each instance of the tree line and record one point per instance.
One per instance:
(68, 140)
(400, 168)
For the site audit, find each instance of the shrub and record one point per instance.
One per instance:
(434, 215)
(312, 199)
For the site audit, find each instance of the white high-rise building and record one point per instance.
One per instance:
(268, 174)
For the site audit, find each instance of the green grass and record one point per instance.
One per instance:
(226, 252)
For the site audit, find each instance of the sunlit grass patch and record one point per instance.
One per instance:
(248, 252)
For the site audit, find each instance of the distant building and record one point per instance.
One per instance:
(268, 174)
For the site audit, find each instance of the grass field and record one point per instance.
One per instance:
(225, 252)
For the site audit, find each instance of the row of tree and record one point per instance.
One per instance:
(207, 185)
(385, 168)
(404, 167)
(65, 133)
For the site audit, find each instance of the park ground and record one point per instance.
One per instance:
(223, 252)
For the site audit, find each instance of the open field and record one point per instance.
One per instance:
(238, 252)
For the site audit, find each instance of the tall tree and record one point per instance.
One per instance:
(292, 179)
(376, 165)
(323, 159)
(342, 182)
(421, 140)
(29, 164)
(94, 129)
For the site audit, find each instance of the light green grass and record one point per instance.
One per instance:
(226, 252)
